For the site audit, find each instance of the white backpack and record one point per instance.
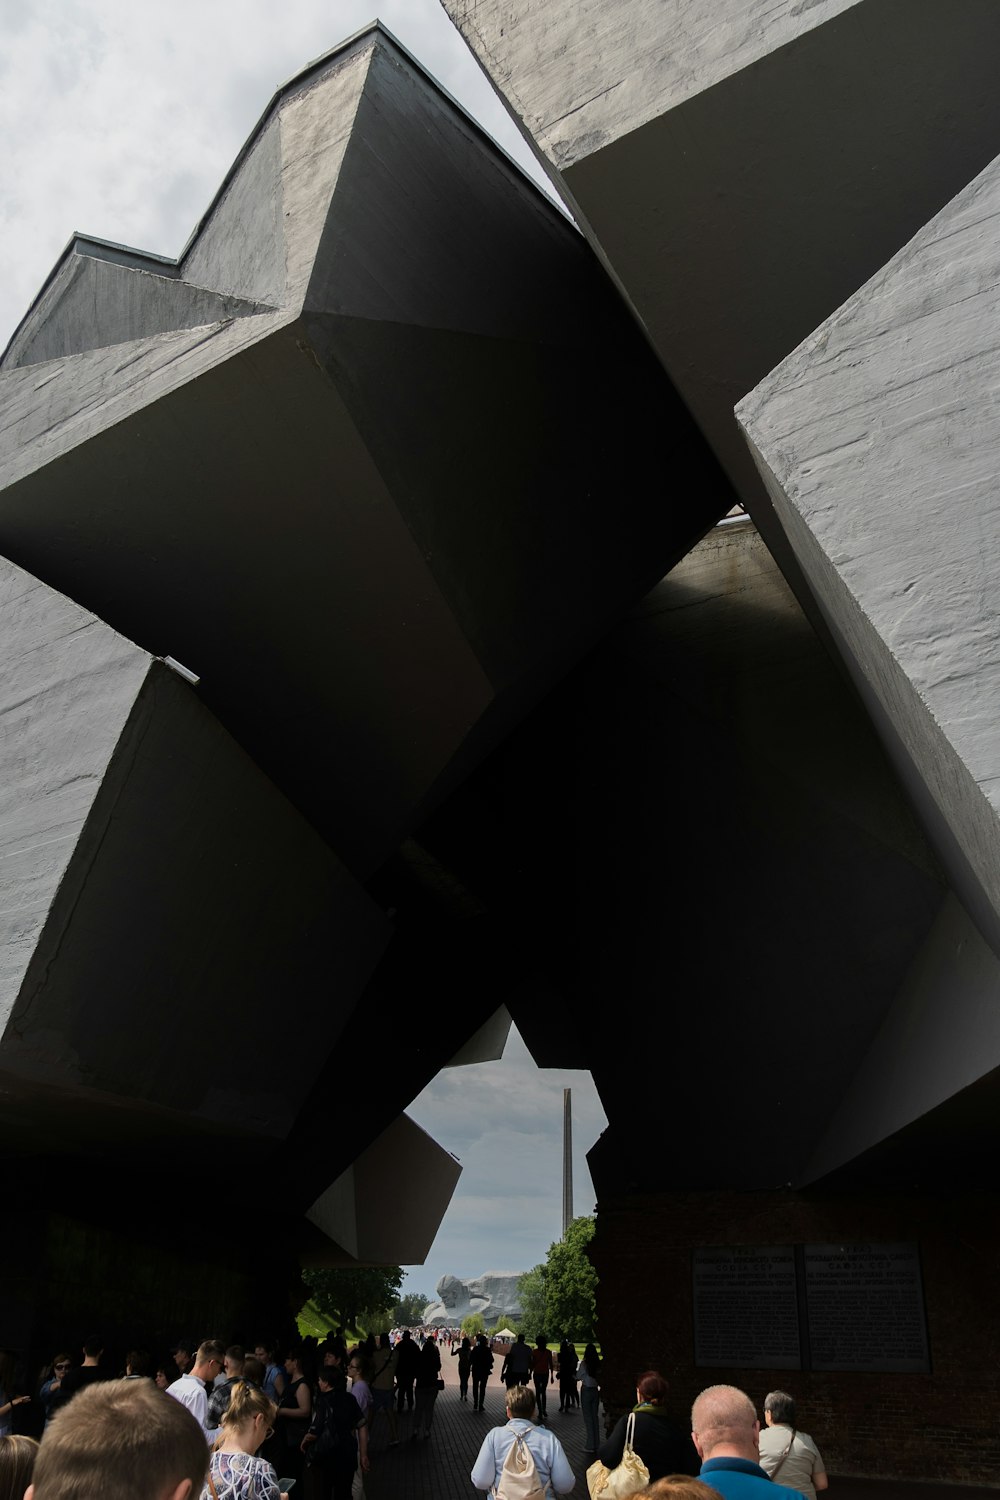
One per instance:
(519, 1478)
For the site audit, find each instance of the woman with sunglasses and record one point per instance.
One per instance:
(236, 1471)
(49, 1393)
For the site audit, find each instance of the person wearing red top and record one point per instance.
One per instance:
(542, 1372)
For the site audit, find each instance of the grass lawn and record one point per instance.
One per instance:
(311, 1321)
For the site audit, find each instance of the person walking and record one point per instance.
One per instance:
(464, 1356)
(427, 1385)
(481, 1364)
(407, 1361)
(542, 1374)
(566, 1363)
(517, 1366)
(555, 1477)
(588, 1376)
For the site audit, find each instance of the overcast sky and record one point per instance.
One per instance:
(503, 1120)
(120, 120)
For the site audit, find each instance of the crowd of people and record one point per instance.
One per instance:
(227, 1424)
(263, 1423)
(725, 1456)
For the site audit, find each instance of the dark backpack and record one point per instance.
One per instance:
(335, 1439)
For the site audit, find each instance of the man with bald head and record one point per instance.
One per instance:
(726, 1433)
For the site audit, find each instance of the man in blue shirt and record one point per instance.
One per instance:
(726, 1433)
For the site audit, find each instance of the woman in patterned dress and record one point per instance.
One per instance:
(236, 1471)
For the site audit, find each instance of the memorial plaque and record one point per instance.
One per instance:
(745, 1307)
(866, 1308)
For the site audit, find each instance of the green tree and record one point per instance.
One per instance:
(559, 1298)
(571, 1284)
(531, 1292)
(409, 1310)
(355, 1296)
(473, 1324)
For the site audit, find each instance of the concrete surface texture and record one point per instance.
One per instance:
(133, 873)
(790, 886)
(377, 458)
(738, 190)
(877, 439)
(748, 166)
(67, 687)
(382, 457)
(91, 302)
(581, 74)
(402, 333)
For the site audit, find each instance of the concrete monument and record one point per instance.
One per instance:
(493, 1295)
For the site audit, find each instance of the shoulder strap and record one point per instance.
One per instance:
(788, 1450)
(630, 1432)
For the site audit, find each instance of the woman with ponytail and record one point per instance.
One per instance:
(236, 1471)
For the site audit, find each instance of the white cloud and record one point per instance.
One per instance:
(503, 1120)
(120, 120)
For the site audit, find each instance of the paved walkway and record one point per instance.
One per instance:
(439, 1468)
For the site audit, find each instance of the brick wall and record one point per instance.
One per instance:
(945, 1425)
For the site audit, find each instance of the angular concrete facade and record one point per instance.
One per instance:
(877, 439)
(742, 168)
(373, 458)
(826, 952)
(396, 461)
(791, 879)
(739, 168)
(383, 302)
(157, 888)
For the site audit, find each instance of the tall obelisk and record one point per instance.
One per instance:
(567, 1160)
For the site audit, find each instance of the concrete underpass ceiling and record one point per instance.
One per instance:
(379, 518)
(376, 459)
(691, 951)
(157, 891)
(416, 465)
(741, 169)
